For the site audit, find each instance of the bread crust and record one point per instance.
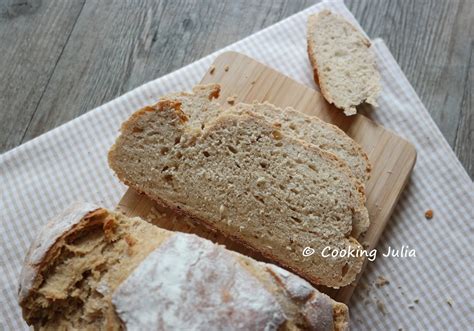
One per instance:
(258, 295)
(41, 249)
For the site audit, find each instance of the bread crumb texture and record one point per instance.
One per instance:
(278, 191)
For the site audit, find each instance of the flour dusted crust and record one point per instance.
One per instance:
(191, 284)
(151, 278)
(45, 240)
(318, 309)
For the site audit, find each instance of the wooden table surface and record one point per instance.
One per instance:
(60, 59)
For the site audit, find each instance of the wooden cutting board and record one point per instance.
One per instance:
(392, 157)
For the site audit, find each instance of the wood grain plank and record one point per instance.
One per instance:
(32, 37)
(432, 41)
(463, 143)
(392, 157)
(118, 45)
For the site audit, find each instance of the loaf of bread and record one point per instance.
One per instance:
(96, 269)
(245, 178)
(201, 108)
(343, 64)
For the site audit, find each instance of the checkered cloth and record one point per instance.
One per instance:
(43, 176)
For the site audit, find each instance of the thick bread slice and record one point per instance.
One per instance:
(246, 179)
(96, 269)
(343, 64)
(201, 109)
(317, 132)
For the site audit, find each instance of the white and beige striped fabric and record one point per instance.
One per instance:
(43, 176)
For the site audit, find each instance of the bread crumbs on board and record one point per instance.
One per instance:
(212, 70)
(226, 68)
(231, 100)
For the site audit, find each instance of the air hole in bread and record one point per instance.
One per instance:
(259, 199)
(296, 219)
(152, 133)
(345, 269)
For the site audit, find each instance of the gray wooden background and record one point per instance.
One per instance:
(60, 59)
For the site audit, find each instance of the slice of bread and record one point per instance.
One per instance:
(314, 131)
(96, 269)
(246, 179)
(201, 108)
(343, 63)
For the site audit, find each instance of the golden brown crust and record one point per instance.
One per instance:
(312, 58)
(90, 219)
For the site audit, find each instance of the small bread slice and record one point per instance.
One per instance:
(201, 108)
(246, 179)
(96, 269)
(343, 63)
